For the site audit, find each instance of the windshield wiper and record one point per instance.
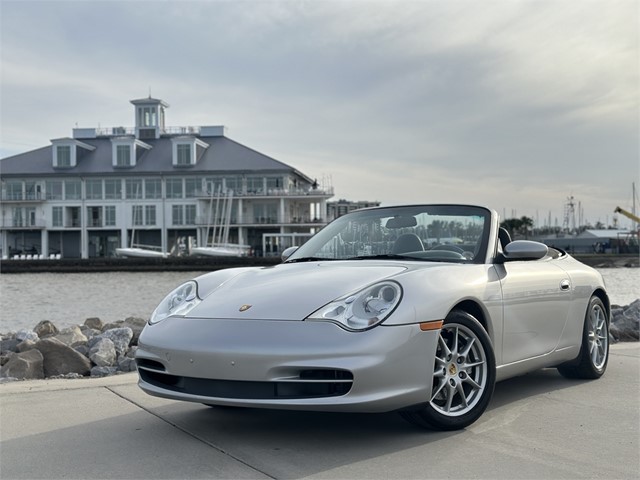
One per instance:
(383, 256)
(309, 259)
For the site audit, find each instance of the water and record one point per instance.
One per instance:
(70, 298)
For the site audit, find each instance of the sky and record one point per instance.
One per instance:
(516, 105)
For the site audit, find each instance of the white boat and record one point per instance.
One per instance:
(231, 250)
(137, 252)
(220, 246)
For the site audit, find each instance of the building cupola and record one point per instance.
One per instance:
(150, 122)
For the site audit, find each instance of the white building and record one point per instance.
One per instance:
(87, 195)
(341, 207)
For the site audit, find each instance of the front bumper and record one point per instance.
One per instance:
(287, 364)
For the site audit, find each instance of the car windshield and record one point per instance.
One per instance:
(443, 233)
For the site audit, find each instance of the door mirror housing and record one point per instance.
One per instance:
(524, 250)
(288, 252)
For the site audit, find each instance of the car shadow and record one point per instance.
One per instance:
(534, 383)
(294, 444)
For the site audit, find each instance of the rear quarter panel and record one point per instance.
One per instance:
(585, 281)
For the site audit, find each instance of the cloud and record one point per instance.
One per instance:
(513, 104)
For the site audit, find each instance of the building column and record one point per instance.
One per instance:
(84, 234)
(200, 233)
(44, 243)
(282, 211)
(240, 213)
(3, 244)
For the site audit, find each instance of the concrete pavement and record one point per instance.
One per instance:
(537, 426)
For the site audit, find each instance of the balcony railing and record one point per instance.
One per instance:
(121, 131)
(21, 197)
(25, 223)
(271, 192)
(203, 220)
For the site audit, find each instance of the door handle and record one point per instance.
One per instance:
(565, 285)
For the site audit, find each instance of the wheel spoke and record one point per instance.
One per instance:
(463, 398)
(474, 364)
(440, 386)
(472, 382)
(450, 393)
(466, 350)
(454, 347)
(594, 353)
(444, 346)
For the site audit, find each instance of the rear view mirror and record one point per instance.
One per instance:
(401, 222)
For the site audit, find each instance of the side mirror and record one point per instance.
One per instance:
(288, 252)
(524, 250)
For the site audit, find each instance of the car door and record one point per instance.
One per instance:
(536, 299)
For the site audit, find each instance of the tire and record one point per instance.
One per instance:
(594, 349)
(464, 375)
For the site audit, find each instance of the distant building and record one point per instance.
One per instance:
(596, 241)
(341, 207)
(87, 195)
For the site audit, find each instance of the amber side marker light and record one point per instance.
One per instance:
(434, 325)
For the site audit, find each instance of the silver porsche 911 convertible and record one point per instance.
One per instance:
(419, 309)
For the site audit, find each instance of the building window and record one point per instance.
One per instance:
(32, 190)
(213, 185)
(54, 189)
(266, 213)
(63, 153)
(255, 185)
(94, 189)
(152, 188)
(192, 187)
(149, 214)
(113, 189)
(13, 191)
(183, 214)
(56, 216)
(177, 215)
(274, 182)
(147, 117)
(94, 216)
(133, 188)
(174, 188)
(73, 217)
(136, 215)
(110, 216)
(72, 190)
(190, 214)
(17, 217)
(183, 152)
(31, 216)
(233, 183)
(123, 155)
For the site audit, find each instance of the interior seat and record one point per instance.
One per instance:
(407, 242)
(503, 237)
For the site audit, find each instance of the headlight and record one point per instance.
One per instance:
(364, 309)
(177, 303)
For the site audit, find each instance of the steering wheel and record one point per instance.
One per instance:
(450, 248)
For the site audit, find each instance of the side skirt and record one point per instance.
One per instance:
(535, 363)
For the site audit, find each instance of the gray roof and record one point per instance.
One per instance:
(223, 156)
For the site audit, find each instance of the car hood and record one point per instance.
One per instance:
(289, 291)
